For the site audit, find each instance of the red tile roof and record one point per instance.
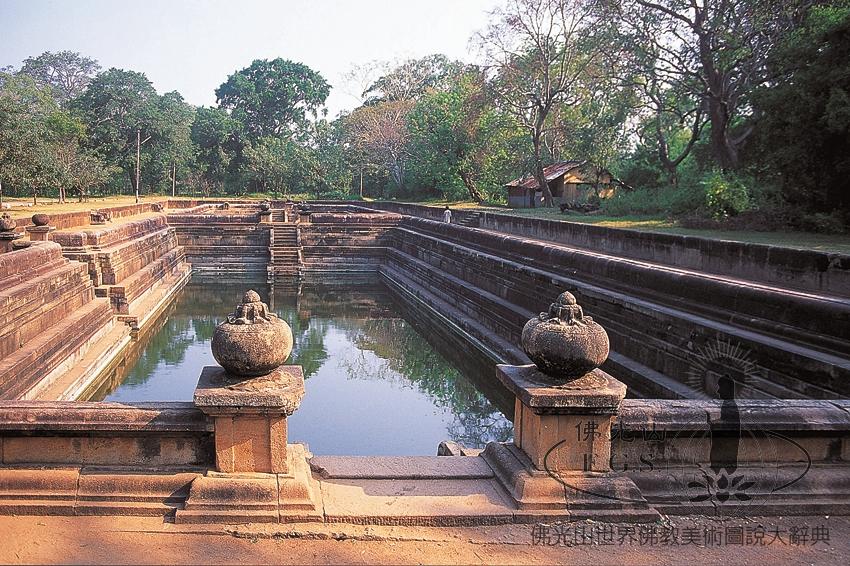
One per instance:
(551, 172)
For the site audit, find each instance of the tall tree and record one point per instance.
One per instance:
(66, 73)
(381, 134)
(276, 165)
(27, 115)
(217, 139)
(802, 139)
(273, 98)
(539, 52)
(449, 131)
(412, 78)
(714, 51)
(119, 108)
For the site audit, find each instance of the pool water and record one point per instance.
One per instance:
(374, 384)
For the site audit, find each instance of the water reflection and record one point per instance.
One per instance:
(374, 384)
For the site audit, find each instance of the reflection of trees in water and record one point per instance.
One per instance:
(168, 345)
(363, 315)
(308, 336)
(408, 359)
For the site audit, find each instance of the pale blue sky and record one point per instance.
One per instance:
(193, 45)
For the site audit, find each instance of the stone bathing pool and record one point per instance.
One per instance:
(374, 384)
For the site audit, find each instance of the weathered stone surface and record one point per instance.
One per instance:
(457, 264)
(596, 393)
(400, 467)
(563, 343)
(253, 341)
(250, 417)
(565, 494)
(48, 314)
(279, 392)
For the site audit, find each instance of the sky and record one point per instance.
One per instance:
(193, 45)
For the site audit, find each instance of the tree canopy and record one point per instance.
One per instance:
(706, 109)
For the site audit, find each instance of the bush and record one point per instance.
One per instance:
(648, 202)
(824, 223)
(725, 195)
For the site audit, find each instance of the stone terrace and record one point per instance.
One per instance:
(49, 317)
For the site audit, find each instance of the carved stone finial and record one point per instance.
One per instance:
(7, 223)
(40, 219)
(563, 343)
(252, 341)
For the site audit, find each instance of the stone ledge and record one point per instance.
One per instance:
(279, 392)
(400, 467)
(67, 416)
(595, 393)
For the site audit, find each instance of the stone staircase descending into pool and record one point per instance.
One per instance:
(50, 320)
(284, 246)
(671, 329)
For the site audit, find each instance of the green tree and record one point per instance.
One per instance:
(28, 114)
(170, 147)
(66, 73)
(273, 98)
(714, 52)
(280, 166)
(803, 126)
(117, 107)
(540, 52)
(452, 134)
(217, 138)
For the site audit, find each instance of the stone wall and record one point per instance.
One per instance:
(225, 241)
(665, 328)
(100, 458)
(76, 219)
(790, 457)
(334, 242)
(48, 316)
(787, 267)
(127, 261)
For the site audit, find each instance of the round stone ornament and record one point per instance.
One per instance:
(7, 223)
(563, 343)
(252, 341)
(40, 219)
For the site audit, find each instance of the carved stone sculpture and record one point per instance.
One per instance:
(252, 341)
(563, 343)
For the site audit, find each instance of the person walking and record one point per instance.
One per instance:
(447, 215)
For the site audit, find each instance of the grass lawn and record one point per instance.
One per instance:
(20, 208)
(802, 240)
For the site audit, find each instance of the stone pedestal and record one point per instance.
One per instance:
(265, 217)
(40, 233)
(563, 428)
(259, 478)
(560, 459)
(6, 240)
(250, 417)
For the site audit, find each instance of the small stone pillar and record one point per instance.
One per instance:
(258, 476)
(40, 231)
(8, 232)
(564, 411)
(251, 395)
(250, 417)
(563, 428)
(265, 212)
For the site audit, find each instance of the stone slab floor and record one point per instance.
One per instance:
(134, 540)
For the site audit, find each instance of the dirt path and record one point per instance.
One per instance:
(133, 540)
